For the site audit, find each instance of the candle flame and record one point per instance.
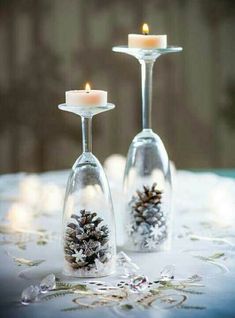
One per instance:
(87, 87)
(145, 29)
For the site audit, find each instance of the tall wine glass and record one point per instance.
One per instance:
(147, 178)
(88, 221)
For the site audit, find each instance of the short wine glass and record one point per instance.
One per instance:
(89, 242)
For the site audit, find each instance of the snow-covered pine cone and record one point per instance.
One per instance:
(86, 240)
(148, 224)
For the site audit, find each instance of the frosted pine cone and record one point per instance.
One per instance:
(148, 224)
(86, 241)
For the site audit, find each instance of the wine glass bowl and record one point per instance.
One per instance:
(147, 188)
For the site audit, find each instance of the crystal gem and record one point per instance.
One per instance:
(130, 269)
(48, 283)
(139, 283)
(125, 266)
(168, 273)
(29, 294)
(122, 258)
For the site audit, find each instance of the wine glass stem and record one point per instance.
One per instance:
(87, 134)
(146, 87)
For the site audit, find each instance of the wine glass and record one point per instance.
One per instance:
(147, 177)
(89, 242)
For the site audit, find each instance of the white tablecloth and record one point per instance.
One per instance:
(203, 245)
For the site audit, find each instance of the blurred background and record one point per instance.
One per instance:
(48, 47)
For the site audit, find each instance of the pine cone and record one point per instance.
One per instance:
(148, 227)
(86, 241)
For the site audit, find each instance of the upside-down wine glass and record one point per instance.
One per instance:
(147, 177)
(88, 221)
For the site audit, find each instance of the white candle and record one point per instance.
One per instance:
(87, 97)
(146, 41)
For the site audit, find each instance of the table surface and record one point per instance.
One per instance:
(202, 250)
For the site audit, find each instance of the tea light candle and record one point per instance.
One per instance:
(87, 97)
(146, 41)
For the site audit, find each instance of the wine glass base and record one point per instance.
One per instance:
(146, 54)
(86, 111)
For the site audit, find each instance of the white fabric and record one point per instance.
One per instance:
(203, 225)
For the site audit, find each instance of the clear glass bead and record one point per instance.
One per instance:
(139, 283)
(48, 283)
(124, 265)
(168, 273)
(29, 294)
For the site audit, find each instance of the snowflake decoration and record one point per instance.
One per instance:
(151, 244)
(79, 256)
(155, 232)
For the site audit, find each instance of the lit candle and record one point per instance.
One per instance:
(146, 41)
(87, 97)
